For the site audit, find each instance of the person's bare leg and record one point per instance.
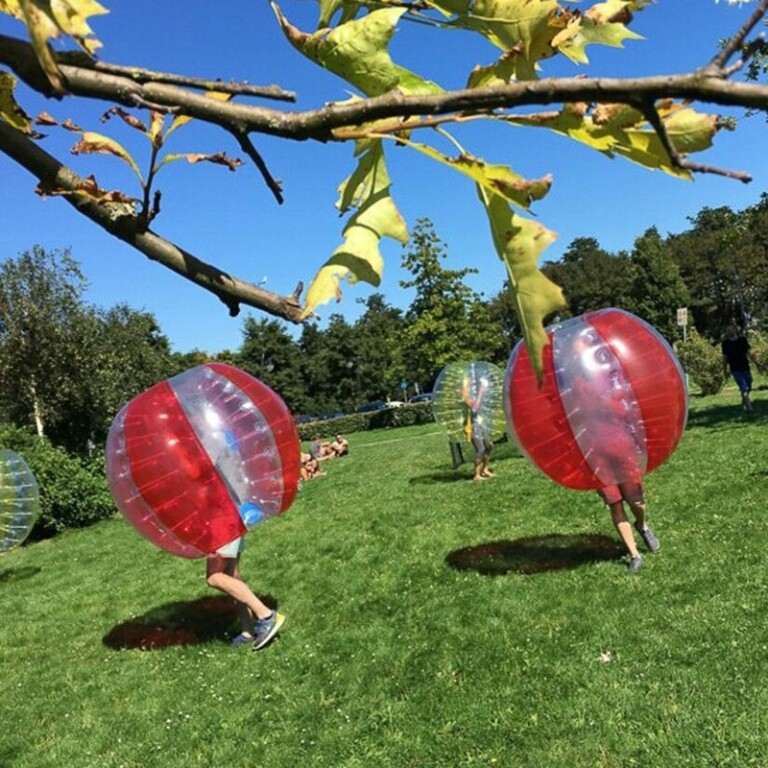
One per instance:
(237, 589)
(624, 528)
(638, 510)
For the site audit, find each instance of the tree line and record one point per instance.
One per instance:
(67, 367)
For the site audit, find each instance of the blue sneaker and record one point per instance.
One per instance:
(240, 640)
(266, 629)
(649, 538)
(635, 564)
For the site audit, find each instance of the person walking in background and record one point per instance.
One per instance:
(736, 357)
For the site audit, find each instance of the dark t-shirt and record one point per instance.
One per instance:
(735, 352)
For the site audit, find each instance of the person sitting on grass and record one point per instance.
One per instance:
(340, 446)
(309, 467)
(320, 450)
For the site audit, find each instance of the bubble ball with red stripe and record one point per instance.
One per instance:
(197, 460)
(612, 406)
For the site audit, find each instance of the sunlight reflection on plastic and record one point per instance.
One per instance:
(196, 461)
(19, 500)
(612, 406)
(448, 405)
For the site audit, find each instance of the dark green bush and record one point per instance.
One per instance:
(73, 492)
(404, 416)
(758, 343)
(703, 362)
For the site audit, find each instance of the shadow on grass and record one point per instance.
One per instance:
(726, 416)
(180, 623)
(10, 575)
(535, 554)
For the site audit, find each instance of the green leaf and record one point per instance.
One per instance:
(357, 51)
(10, 111)
(529, 31)
(519, 243)
(97, 143)
(359, 257)
(597, 25)
(625, 132)
(496, 179)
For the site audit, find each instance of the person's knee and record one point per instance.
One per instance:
(215, 580)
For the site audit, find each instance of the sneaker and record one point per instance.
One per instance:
(266, 629)
(635, 563)
(649, 538)
(240, 640)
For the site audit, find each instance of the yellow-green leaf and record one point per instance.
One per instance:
(531, 30)
(496, 179)
(359, 257)
(625, 133)
(521, 27)
(597, 25)
(10, 111)
(97, 143)
(49, 19)
(357, 51)
(519, 243)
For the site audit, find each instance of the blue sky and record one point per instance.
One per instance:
(232, 220)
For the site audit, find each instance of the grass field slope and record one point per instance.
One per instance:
(432, 622)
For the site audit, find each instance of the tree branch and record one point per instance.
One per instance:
(119, 220)
(320, 124)
(149, 76)
(717, 65)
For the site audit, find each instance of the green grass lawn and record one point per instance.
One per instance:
(431, 621)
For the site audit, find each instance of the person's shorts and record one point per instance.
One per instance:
(482, 445)
(630, 492)
(744, 380)
(225, 559)
(231, 550)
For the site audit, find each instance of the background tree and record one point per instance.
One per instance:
(656, 289)
(723, 267)
(590, 276)
(269, 353)
(379, 357)
(128, 354)
(45, 337)
(438, 324)
(637, 118)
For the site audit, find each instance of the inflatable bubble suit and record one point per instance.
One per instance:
(612, 406)
(19, 500)
(199, 459)
(448, 406)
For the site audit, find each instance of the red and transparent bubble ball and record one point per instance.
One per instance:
(197, 460)
(612, 405)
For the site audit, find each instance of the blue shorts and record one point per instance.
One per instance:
(744, 380)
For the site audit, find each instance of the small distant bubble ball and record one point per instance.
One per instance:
(197, 460)
(454, 383)
(612, 406)
(19, 500)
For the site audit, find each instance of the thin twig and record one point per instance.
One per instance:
(749, 51)
(737, 41)
(676, 159)
(140, 75)
(247, 146)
